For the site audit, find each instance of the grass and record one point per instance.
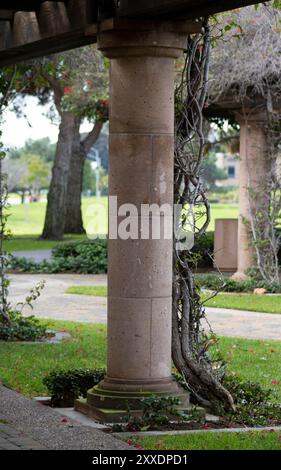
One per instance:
(26, 221)
(23, 365)
(251, 302)
(97, 291)
(29, 243)
(252, 440)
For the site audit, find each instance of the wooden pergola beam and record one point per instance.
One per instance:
(32, 28)
(188, 9)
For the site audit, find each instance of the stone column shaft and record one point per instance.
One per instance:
(141, 163)
(141, 147)
(253, 170)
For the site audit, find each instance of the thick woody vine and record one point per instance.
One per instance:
(190, 344)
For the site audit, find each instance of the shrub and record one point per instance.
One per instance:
(227, 284)
(22, 328)
(203, 250)
(65, 386)
(87, 256)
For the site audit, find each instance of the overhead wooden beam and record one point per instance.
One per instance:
(21, 5)
(185, 27)
(82, 12)
(188, 9)
(50, 45)
(53, 18)
(54, 27)
(6, 14)
(5, 35)
(25, 28)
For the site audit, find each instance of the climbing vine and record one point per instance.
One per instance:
(190, 343)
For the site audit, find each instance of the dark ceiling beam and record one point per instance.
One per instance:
(21, 5)
(50, 45)
(188, 9)
(6, 14)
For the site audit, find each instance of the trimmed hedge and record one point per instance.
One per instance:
(86, 257)
(65, 386)
(90, 257)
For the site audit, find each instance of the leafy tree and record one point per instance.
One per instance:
(89, 179)
(211, 172)
(75, 82)
(42, 147)
(38, 174)
(27, 173)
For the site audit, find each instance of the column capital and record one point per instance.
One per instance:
(144, 38)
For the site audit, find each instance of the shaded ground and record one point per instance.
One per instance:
(54, 303)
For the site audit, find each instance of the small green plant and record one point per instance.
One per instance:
(156, 412)
(13, 325)
(65, 386)
(253, 405)
(20, 328)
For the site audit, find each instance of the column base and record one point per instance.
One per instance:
(239, 276)
(110, 405)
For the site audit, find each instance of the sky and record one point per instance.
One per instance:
(15, 131)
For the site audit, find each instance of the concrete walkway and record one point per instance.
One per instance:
(55, 304)
(28, 424)
(34, 255)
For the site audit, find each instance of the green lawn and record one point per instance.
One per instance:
(251, 302)
(252, 440)
(97, 291)
(26, 221)
(23, 365)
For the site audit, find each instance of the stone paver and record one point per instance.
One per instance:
(12, 439)
(55, 304)
(32, 425)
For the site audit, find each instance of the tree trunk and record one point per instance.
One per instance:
(57, 196)
(74, 221)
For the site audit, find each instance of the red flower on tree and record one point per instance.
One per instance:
(67, 90)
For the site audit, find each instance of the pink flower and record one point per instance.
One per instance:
(275, 382)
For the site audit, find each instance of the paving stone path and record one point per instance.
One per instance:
(12, 439)
(28, 425)
(56, 304)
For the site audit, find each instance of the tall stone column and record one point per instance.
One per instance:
(141, 161)
(253, 171)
